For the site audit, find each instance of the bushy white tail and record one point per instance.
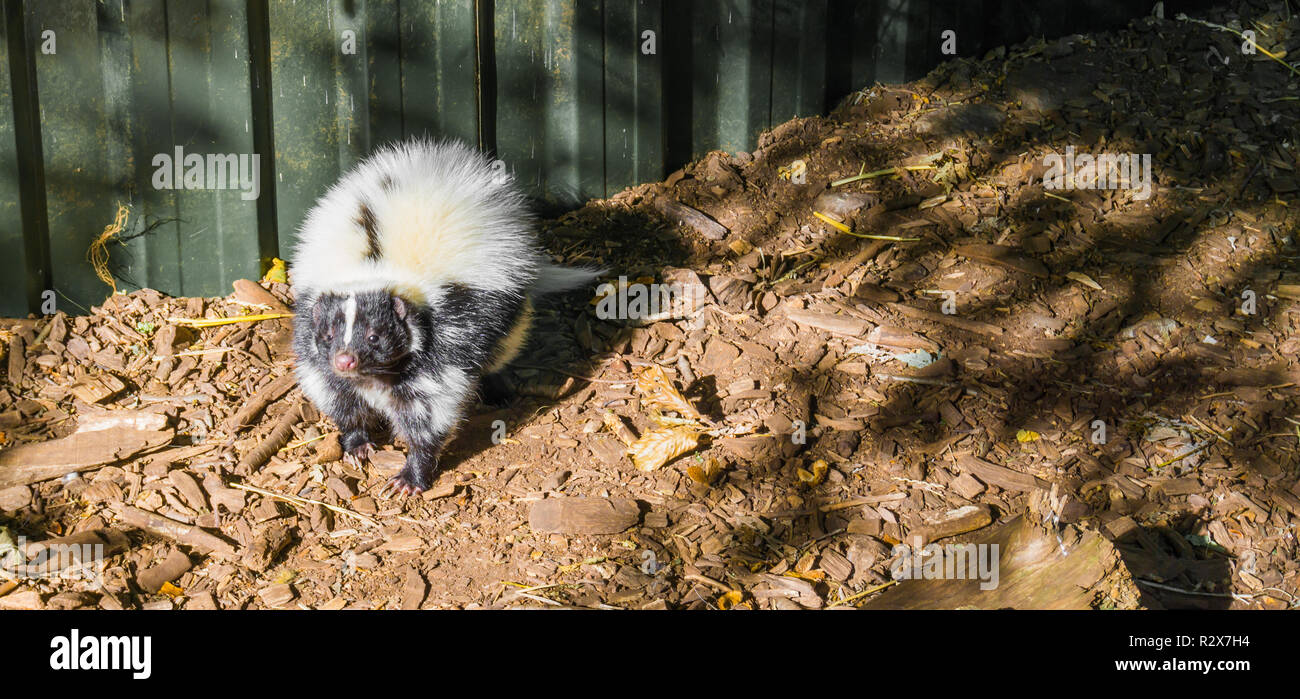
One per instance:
(555, 278)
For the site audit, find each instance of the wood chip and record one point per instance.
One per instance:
(954, 522)
(174, 566)
(1000, 476)
(837, 324)
(691, 217)
(582, 515)
(414, 588)
(179, 532)
(94, 389)
(1001, 255)
(250, 292)
(80, 451)
(277, 595)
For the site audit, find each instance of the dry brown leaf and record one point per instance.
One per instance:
(706, 474)
(658, 393)
(658, 447)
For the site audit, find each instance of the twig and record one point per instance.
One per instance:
(1227, 595)
(190, 398)
(524, 588)
(877, 173)
(1209, 429)
(302, 442)
(305, 501)
(566, 373)
(710, 581)
(537, 598)
(213, 322)
(915, 379)
(864, 593)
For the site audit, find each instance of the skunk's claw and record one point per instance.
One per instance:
(400, 485)
(360, 454)
(409, 481)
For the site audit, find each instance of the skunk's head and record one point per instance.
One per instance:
(362, 333)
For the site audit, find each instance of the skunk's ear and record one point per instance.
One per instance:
(399, 307)
(317, 311)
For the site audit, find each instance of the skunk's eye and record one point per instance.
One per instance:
(374, 338)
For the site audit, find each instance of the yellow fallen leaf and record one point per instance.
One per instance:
(1027, 436)
(658, 393)
(171, 590)
(277, 273)
(658, 447)
(811, 576)
(813, 475)
(731, 600)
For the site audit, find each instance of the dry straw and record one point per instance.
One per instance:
(97, 254)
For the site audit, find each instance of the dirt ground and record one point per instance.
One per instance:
(1105, 364)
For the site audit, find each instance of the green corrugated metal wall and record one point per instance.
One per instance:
(558, 89)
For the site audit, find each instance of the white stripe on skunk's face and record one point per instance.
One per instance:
(349, 317)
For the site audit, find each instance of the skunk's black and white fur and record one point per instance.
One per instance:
(413, 278)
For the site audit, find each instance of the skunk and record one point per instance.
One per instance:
(413, 278)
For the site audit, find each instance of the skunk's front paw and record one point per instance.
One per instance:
(411, 480)
(357, 447)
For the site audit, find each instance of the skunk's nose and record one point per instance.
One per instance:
(345, 361)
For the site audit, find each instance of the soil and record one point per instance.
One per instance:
(1085, 360)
